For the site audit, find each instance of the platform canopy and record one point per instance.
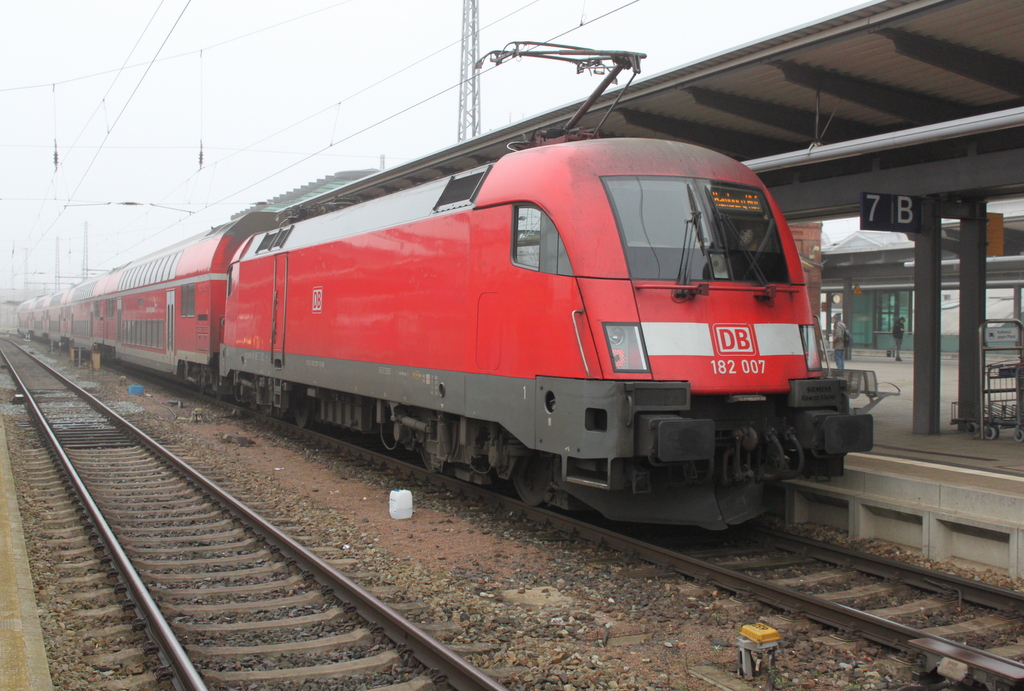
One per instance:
(906, 96)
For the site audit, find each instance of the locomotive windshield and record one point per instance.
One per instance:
(685, 229)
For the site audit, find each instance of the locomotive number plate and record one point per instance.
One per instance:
(738, 366)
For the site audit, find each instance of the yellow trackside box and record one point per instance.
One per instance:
(760, 633)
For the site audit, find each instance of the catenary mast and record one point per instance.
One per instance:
(469, 87)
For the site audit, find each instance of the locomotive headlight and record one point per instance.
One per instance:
(810, 340)
(626, 348)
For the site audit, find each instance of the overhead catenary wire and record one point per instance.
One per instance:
(56, 167)
(338, 105)
(103, 102)
(53, 179)
(224, 200)
(415, 105)
(55, 159)
(303, 120)
(200, 110)
(177, 55)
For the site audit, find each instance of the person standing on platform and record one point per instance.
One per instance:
(897, 335)
(839, 341)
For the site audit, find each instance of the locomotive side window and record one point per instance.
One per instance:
(526, 241)
(684, 230)
(536, 244)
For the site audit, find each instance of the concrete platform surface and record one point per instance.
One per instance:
(894, 420)
(952, 496)
(23, 665)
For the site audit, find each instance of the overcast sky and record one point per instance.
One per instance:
(279, 94)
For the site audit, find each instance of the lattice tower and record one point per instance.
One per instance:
(469, 88)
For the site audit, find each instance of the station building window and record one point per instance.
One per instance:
(890, 305)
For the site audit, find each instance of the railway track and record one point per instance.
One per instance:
(969, 628)
(224, 597)
(964, 628)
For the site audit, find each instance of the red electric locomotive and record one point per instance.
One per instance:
(618, 324)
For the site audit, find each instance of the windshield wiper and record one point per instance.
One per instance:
(769, 233)
(752, 260)
(694, 222)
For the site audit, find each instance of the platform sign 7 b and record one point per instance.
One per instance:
(898, 213)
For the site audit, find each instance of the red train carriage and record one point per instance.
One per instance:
(163, 311)
(34, 318)
(42, 318)
(620, 324)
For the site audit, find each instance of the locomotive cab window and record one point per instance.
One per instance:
(685, 230)
(536, 244)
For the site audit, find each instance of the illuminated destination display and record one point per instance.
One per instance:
(737, 201)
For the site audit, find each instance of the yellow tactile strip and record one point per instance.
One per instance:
(23, 662)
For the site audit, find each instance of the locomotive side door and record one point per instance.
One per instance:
(119, 336)
(170, 324)
(279, 310)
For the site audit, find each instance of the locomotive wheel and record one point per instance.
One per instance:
(303, 410)
(532, 479)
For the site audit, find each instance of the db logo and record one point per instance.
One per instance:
(734, 339)
(318, 300)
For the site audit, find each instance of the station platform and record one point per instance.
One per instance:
(23, 664)
(950, 497)
(894, 418)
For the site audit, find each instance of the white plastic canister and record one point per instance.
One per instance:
(401, 503)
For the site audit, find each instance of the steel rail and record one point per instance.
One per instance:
(883, 631)
(170, 650)
(910, 574)
(426, 649)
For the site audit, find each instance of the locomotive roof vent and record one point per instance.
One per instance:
(461, 190)
(275, 239)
